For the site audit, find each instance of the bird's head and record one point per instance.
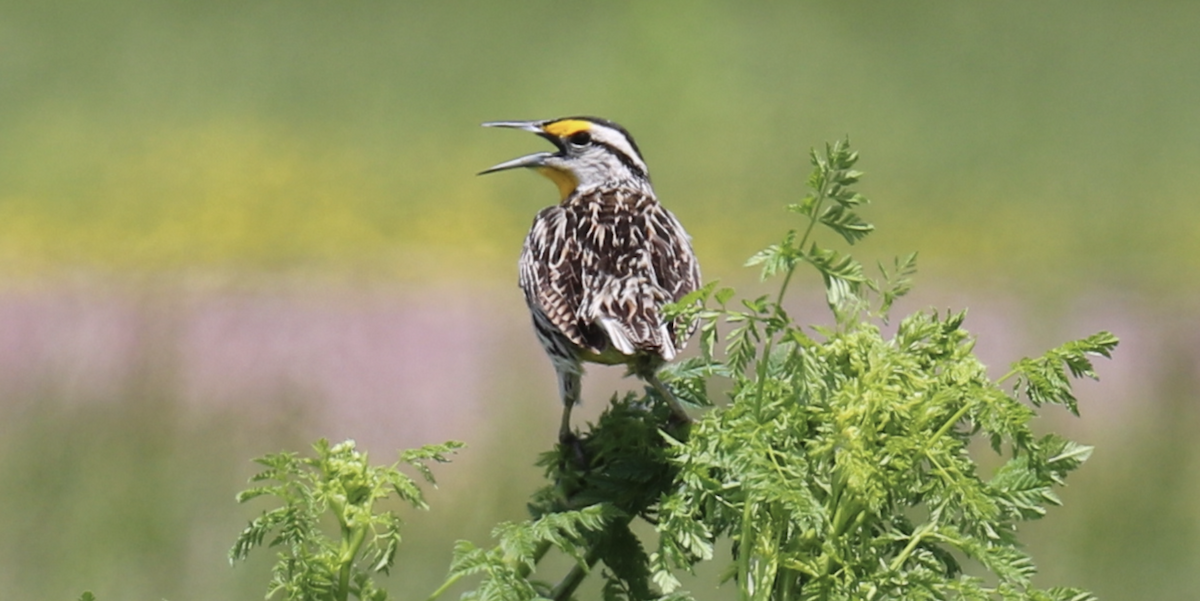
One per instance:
(591, 152)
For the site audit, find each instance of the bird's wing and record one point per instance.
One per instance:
(550, 273)
(635, 259)
(675, 266)
(601, 272)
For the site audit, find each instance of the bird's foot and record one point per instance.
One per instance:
(679, 424)
(571, 447)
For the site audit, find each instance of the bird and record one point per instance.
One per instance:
(597, 268)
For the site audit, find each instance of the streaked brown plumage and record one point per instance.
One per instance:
(598, 267)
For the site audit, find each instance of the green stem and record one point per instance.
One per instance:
(950, 422)
(339, 511)
(745, 550)
(844, 516)
(566, 587)
(761, 368)
(352, 539)
(908, 549)
(1007, 376)
(445, 587)
(958, 415)
(768, 578)
(822, 192)
(785, 587)
(787, 279)
(350, 548)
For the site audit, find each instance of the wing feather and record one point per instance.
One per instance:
(675, 266)
(550, 274)
(600, 268)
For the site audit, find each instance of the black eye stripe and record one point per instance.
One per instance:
(611, 125)
(581, 138)
(621, 156)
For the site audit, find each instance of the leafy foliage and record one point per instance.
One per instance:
(838, 465)
(619, 471)
(846, 475)
(340, 481)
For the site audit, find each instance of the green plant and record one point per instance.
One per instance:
(840, 465)
(839, 468)
(339, 481)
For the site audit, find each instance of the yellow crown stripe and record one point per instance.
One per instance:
(566, 127)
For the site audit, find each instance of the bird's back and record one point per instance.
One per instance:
(599, 267)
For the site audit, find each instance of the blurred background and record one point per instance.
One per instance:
(228, 228)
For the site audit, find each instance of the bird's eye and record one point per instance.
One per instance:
(580, 138)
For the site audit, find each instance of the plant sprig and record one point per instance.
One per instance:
(340, 481)
(839, 467)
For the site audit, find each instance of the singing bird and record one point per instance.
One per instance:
(598, 267)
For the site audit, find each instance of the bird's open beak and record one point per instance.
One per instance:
(537, 159)
(531, 126)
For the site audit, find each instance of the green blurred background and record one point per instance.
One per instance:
(227, 228)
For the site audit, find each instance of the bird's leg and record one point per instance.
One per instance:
(570, 374)
(672, 402)
(568, 440)
(565, 435)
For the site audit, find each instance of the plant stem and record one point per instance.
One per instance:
(819, 200)
(350, 547)
(822, 192)
(950, 422)
(445, 587)
(908, 549)
(566, 587)
(745, 550)
(1007, 376)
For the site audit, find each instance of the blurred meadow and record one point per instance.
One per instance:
(228, 228)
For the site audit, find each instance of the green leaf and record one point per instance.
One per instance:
(805, 207)
(421, 456)
(777, 258)
(1045, 381)
(896, 283)
(724, 295)
(1063, 594)
(843, 276)
(468, 559)
(846, 223)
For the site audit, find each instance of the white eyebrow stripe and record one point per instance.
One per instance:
(618, 141)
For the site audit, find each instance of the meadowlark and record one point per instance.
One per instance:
(597, 268)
